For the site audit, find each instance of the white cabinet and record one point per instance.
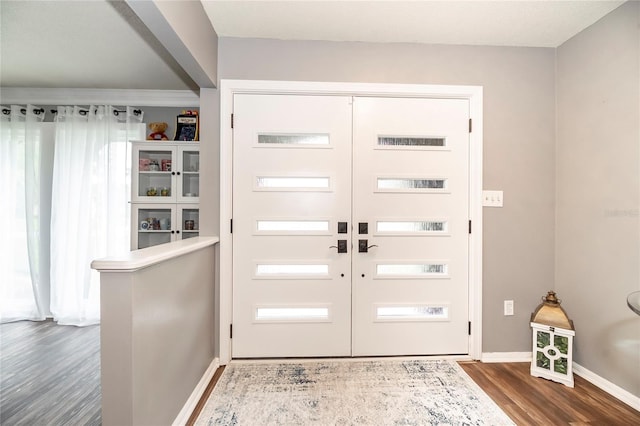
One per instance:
(154, 224)
(165, 189)
(165, 172)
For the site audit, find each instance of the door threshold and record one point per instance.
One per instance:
(286, 360)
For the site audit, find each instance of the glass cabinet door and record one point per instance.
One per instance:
(189, 178)
(189, 221)
(155, 225)
(154, 179)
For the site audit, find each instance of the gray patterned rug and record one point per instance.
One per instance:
(349, 392)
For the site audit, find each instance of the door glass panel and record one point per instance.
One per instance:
(154, 173)
(292, 314)
(409, 313)
(190, 223)
(190, 173)
(420, 226)
(410, 141)
(292, 225)
(291, 271)
(293, 139)
(415, 270)
(410, 183)
(292, 182)
(154, 227)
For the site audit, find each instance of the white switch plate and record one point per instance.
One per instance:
(508, 307)
(492, 198)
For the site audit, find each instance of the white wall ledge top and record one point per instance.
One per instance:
(143, 258)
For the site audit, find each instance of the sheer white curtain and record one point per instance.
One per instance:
(20, 250)
(90, 209)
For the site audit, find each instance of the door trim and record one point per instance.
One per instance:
(229, 88)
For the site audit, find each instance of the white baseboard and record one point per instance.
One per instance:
(610, 388)
(506, 357)
(190, 405)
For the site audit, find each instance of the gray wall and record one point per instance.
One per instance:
(519, 146)
(156, 334)
(598, 193)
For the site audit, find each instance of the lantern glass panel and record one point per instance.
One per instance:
(561, 343)
(560, 366)
(542, 361)
(543, 339)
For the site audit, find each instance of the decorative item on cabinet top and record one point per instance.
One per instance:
(187, 126)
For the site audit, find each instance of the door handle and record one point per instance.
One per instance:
(342, 246)
(363, 246)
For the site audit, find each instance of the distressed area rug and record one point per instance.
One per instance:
(347, 392)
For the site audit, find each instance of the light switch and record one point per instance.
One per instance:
(492, 198)
(508, 307)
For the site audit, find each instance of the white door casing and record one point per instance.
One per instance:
(471, 94)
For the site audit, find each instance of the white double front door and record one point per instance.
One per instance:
(350, 226)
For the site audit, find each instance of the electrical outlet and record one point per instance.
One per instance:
(492, 198)
(508, 307)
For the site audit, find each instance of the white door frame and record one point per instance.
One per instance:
(228, 88)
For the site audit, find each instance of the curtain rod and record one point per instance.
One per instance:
(36, 111)
(116, 112)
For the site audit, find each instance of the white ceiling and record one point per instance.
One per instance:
(82, 44)
(541, 23)
(102, 44)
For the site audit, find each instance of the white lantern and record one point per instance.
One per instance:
(553, 333)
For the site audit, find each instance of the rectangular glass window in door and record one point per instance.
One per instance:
(190, 173)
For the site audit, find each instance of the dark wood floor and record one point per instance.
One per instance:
(534, 401)
(50, 375)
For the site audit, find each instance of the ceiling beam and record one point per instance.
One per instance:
(184, 29)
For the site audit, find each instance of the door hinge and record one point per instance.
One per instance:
(231, 331)
(469, 226)
(469, 328)
(470, 125)
(232, 121)
(231, 225)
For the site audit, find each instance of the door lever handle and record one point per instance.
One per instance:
(342, 246)
(363, 246)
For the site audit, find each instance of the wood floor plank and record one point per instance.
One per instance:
(532, 400)
(49, 374)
